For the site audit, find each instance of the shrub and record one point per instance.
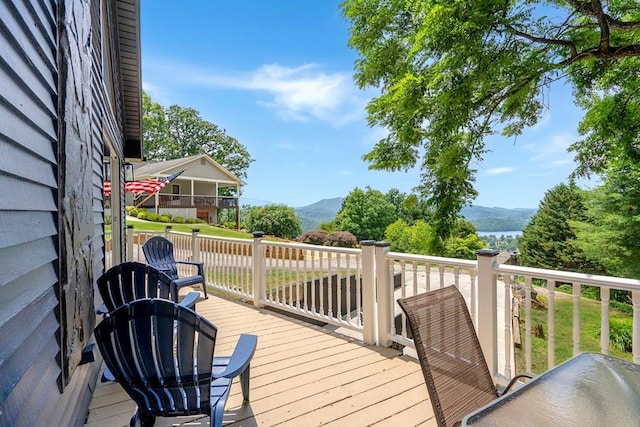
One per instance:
(178, 220)
(190, 221)
(152, 216)
(342, 239)
(142, 215)
(165, 218)
(200, 221)
(276, 220)
(316, 237)
(133, 212)
(107, 220)
(621, 335)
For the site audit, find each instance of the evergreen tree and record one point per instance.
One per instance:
(548, 240)
(611, 233)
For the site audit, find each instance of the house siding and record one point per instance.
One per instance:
(53, 112)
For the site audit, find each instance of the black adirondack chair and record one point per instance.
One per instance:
(162, 355)
(130, 281)
(158, 252)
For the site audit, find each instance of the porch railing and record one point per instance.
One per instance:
(195, 201)
(357, 289)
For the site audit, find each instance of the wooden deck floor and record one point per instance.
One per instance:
(301, 375)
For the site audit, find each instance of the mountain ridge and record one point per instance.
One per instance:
(482, 217)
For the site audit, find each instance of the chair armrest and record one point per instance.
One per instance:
(198, 264)
(102, 309)
(189, 300)
(241, 357)
(514, 380)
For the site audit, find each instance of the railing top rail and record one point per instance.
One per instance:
(567, 276)
(454, 262)
(309, 247)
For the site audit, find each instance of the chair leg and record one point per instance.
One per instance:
(142, 419)
(204, 288)
(244, 383)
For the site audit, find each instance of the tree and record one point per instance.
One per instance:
(365, 214)
(548, 241)
(413, 239)
(276, 220)
(451, 73)
(610, 233)
(175, 132)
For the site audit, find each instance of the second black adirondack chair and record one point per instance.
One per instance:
(130, 281)
(158, 252)
(162, 355)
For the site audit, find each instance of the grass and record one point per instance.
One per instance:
(590, 316)
(208, 230)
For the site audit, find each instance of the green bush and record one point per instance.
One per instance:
(152, 216)
(178, 220)
(200, 221)
(316, 237)
(620, 335)
(165, 218)
(107, 220)
(275, 220)
(142, 215)
(190, 221)
(342, 239)
(133, 212)
(622, 307)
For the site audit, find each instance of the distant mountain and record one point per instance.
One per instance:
(497, 219)
(321, 211)
(483, 218)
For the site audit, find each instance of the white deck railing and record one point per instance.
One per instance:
(358, 288)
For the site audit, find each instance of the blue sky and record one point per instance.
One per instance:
(277, 76)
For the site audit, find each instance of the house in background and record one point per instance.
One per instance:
(203, 190)
(70, 99)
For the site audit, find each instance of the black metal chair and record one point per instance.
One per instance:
(158, 252)
(130, 281)
(454, 368)
(162, 355)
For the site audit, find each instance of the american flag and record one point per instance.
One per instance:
(145, 185)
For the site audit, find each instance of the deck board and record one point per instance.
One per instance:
(301, 375)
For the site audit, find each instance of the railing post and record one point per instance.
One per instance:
(635, 343)
(368, 292)
(257, 252)
(195, 245)
(384, 292)
(488, 306)
(129, 236)
(167, 231)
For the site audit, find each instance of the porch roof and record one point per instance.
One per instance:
(300, 375)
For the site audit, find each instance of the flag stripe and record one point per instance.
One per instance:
(143, 186)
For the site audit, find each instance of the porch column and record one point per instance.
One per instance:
(384, 292)
(488, 306)
(257, 251)
(368, 292)
(129, 237)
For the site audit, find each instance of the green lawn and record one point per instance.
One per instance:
(563, 315)
(209, 230)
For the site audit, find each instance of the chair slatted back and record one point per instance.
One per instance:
(162, 354)
(159, 252)
(452, 362)
(130, 281)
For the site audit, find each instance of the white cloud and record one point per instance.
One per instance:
(285, 146)
(499, 171)
(156, 93)
(297, 93)
(553, 152)
(345, 172)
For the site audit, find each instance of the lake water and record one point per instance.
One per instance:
(514, 233)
